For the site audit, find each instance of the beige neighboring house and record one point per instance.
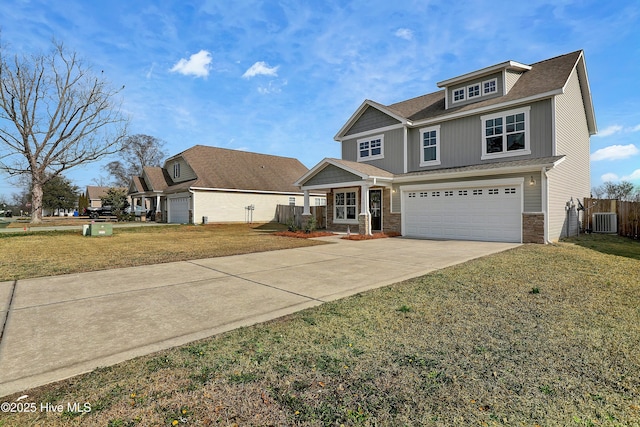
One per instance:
(211, 184)
(497, 154)
(95, 194)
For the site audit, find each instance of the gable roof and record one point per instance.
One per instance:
(543, 79)
(95, 192)
(222, 168)
(363, 170)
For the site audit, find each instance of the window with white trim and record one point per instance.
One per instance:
(473, 90)
(458, 95)
(506, 134)
(292, 201)
(430, 146)
(345, 207)
(490, 86)
(371, 148)
(176, 170)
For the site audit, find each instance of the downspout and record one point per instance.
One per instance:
(545, 202)
(193, 205)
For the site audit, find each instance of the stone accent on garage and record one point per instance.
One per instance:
(533, 227)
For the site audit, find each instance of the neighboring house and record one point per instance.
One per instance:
(499, 154)
(95, 194)
(219, 185)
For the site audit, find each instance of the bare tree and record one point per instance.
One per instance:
(138, 151)
(54, 115)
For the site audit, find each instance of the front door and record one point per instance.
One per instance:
(375, 208)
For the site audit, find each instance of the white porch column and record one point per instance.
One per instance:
(364, 220)
(307, 209)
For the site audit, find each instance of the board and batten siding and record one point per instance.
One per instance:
(571, 178)
(331, 175)
(371, 118)
(186, 173)
(461, 139)
(393, 160)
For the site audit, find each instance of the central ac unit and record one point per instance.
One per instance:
(605, 223)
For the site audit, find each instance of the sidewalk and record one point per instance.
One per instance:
(61, 326)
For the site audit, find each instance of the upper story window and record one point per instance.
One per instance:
(490, 86)
(473, 90)
(458, 95)
(176, 170)
(430, 146)
(506, 134)
(371, 148)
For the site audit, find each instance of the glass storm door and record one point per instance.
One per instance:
(375, 207)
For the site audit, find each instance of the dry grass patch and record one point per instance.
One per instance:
(470, 345)
(45, 253)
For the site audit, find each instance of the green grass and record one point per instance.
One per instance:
(608, 244)
(47, 253)
(469, 345)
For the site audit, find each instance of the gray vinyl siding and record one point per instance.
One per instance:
(393, 160)
(331, 175)
(532, 194)
(461, 140)
(511, 77)
(372, 118)
(186, 173)
(571, 178)
(499, 83)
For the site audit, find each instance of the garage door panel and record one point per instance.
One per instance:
(475, 213)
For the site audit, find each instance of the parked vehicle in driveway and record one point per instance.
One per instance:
(97, 212)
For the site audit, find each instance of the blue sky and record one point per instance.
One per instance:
(282, 77)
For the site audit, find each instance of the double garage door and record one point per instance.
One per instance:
(488, 213)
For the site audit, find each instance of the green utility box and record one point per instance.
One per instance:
(94, 229)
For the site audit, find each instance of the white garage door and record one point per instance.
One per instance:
(179, 210)
(492, 213)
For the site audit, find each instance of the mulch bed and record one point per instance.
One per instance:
(303, 234)
(373, 236)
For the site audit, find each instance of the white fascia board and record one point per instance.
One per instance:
(372, 132)
(495, 107)
(355, 116)
(585, 88)
(462, 184)
(509, 65)
(336, 185)
(472, 173)
(235, 190)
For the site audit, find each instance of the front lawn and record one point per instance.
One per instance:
(535, 336)
(45, 253)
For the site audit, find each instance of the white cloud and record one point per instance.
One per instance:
(609, 177)
(261, 68)
(197, 65)
(404, 33)
(614, 129)
(634, 176)
(610, 130)
(615, 152)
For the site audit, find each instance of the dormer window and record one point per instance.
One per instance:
(473, 91)
(458, 95)
(490, 86)
(176, 170)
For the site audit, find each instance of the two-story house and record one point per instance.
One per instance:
(497, 154)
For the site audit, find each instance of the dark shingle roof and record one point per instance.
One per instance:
(545, 76)
(241, 170)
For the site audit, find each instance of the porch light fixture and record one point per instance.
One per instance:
(532, 181)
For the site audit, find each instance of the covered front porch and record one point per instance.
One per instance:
(358, 196)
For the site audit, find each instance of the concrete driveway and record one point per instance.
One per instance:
(56, 327)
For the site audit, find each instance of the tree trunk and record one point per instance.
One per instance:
(36, 202)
